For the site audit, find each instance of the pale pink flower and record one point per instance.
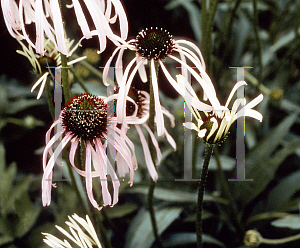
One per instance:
(155, 45)
(84, 119)
(48, 21)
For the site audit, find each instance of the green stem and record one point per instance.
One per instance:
(203, 29)
(208, 152)
(256, 32)
(208, 40)
(50, 98)
(79, 80)
(64, 77)
(232, 15)
(194, 154)
(152, 152)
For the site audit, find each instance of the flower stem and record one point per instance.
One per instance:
(208, 152)
(256, 33)
(64, 77)
(50, 98)
(152, 152)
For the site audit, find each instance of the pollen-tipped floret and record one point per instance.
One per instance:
(85, 116)
(154, 43)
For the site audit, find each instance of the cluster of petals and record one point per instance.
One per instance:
(97, 164)
(50, 53)
(48, 21)
(138, 121)
(190, 61)
(82, 234)
(227, 115)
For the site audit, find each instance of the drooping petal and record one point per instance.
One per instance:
(234, 89)
(158, 111)
(154, 142)
(149, 162)
(81, 20)
(191, 125)
(111, 172)
(100, 166)
(48, 171)
(58, 26)
(88, 180)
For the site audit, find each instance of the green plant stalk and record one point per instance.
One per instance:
(258, 42)
(64, 77)
(207, 155)
(208, 38)
(196, 142)
(203, 29)
(79, 80)
(50, 98)
(152, 152)
(232, 14)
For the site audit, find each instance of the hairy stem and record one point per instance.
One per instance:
(208, 152)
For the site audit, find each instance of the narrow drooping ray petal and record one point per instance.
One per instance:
(147, 154)
(46, 16)
(158, 111)
(156, 44)
(213, 126)
(138, 114)
(84, 121)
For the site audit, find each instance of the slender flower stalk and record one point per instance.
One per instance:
(201, 189)
(82, 234)
(212, 127)
(84, 120)
(155, 45)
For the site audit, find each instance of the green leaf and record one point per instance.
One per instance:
(140, 233)
(280, 195)
(27, 215)
(261, 166)
(120, 211)
(175, 195)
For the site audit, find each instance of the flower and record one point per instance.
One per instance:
(47, 17)
(155, 45)
(44, 14)
(84, 120)
(212, 127)
(101, 12)
(82, 234)
(42, 64)
(137, 114)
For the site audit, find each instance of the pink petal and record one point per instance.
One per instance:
(88, 180)
(159, 119)
(149, 162)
